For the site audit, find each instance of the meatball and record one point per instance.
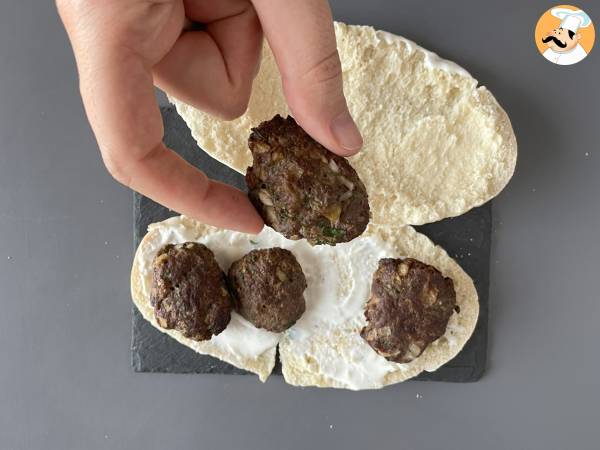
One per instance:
(410, 305)
(267, 287)
(189, 291)
(302, 190)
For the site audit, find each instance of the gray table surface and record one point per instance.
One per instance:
(65, 253)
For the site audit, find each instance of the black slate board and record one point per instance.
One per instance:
(466, 238)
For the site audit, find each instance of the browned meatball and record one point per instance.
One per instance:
(302, 190)
(189, 291)
(268, 287)
(410, 305)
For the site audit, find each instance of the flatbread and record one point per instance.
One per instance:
(436, 145)
(141, 280)
(309, 346)
(307, 362)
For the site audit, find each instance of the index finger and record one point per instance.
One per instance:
(117, 90)
(302, 37)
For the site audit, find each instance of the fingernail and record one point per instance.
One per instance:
(346, 132)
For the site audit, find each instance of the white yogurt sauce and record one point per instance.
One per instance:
(339, 282)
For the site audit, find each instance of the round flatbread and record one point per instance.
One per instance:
(336, 356)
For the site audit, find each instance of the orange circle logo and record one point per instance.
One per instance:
(565, 35)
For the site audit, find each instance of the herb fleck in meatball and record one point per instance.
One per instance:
(301, 189)
(267, 287)
(410, 305)
(189, 291)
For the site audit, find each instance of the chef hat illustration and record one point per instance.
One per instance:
(571, 20)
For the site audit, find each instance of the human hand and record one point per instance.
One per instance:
(124, 47)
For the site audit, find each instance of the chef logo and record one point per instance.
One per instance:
(564, 35)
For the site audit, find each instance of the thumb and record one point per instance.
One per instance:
(316, 99)
(310, 70)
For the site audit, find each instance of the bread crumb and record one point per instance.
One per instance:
(587, 153)
(331, 427)
(419, 396)
(105, 242)
(9, 257)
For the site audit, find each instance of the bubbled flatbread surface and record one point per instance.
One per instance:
(304, 360)
(435, 144)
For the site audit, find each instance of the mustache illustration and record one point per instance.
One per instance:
(556, 41)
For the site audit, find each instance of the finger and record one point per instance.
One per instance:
(302, 38)
(169, 180)
(213, 69)
(116, 87)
